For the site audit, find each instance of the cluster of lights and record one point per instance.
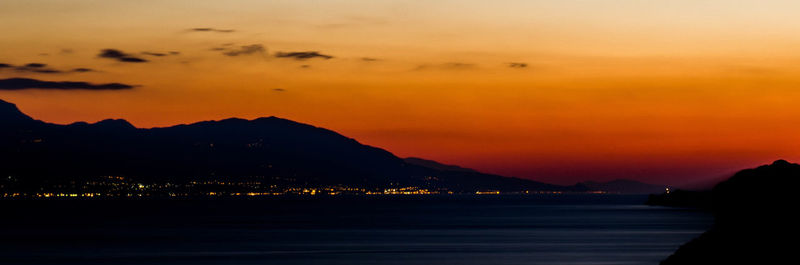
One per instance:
(117, 186)
(406, 191)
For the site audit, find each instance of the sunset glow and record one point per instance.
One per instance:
(669, 92)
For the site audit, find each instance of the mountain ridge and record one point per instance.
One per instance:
(754, 214)
(436, 165)
(278, 149)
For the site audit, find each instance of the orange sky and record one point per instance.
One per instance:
(661, 91)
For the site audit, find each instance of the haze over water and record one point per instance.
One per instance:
(552, 229)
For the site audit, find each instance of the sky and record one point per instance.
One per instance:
(669, 92)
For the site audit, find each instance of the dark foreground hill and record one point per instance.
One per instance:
(274, 149)
(756, 218)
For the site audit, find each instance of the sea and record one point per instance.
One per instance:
(347, 230)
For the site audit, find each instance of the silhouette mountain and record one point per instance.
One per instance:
(280, 150)
(436, 165)
(624, 186)
(10, 115)
(754, 218)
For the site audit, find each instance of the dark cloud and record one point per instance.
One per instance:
(161, 54)
(223, 47)
(279, 90)
(37, 68)
(369, 59)
(245, 50)
(27, 83)
(120, 56)
(518, 65)
(212, 30)
(157, 54)
(302, 55)
(42, 69)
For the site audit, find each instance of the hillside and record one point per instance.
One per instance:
(275, 149)
(754, 212)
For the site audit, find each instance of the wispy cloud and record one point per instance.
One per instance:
(447, 66)
(517, 65)
(37, 68)
(212, 30)
(27, 83)
(302, 55)
(157, 54)
(245, 50)
(161, 54)
(120, 56)
(41, 68)
(82, 70)
(35, 65)
(458, 65)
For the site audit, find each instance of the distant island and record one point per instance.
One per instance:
(231, 157)
(755, 212)
(624, 186)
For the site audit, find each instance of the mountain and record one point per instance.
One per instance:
(754, 215)
(436, 165)
(11, 116)
(624, 186)
(274, 149)
(704, 184)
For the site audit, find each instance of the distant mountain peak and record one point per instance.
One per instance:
(233, 120)
(270, 118)
(781, 162)
(9, 113)
(115, 123)
(261, 120)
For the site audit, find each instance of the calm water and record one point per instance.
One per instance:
(563, 229)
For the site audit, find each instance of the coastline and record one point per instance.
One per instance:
(752, 216)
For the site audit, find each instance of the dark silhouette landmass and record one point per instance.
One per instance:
(268, 151)
(704, 184)
(624, 186)
(682, 198)
(436, 165)
(755, 218)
